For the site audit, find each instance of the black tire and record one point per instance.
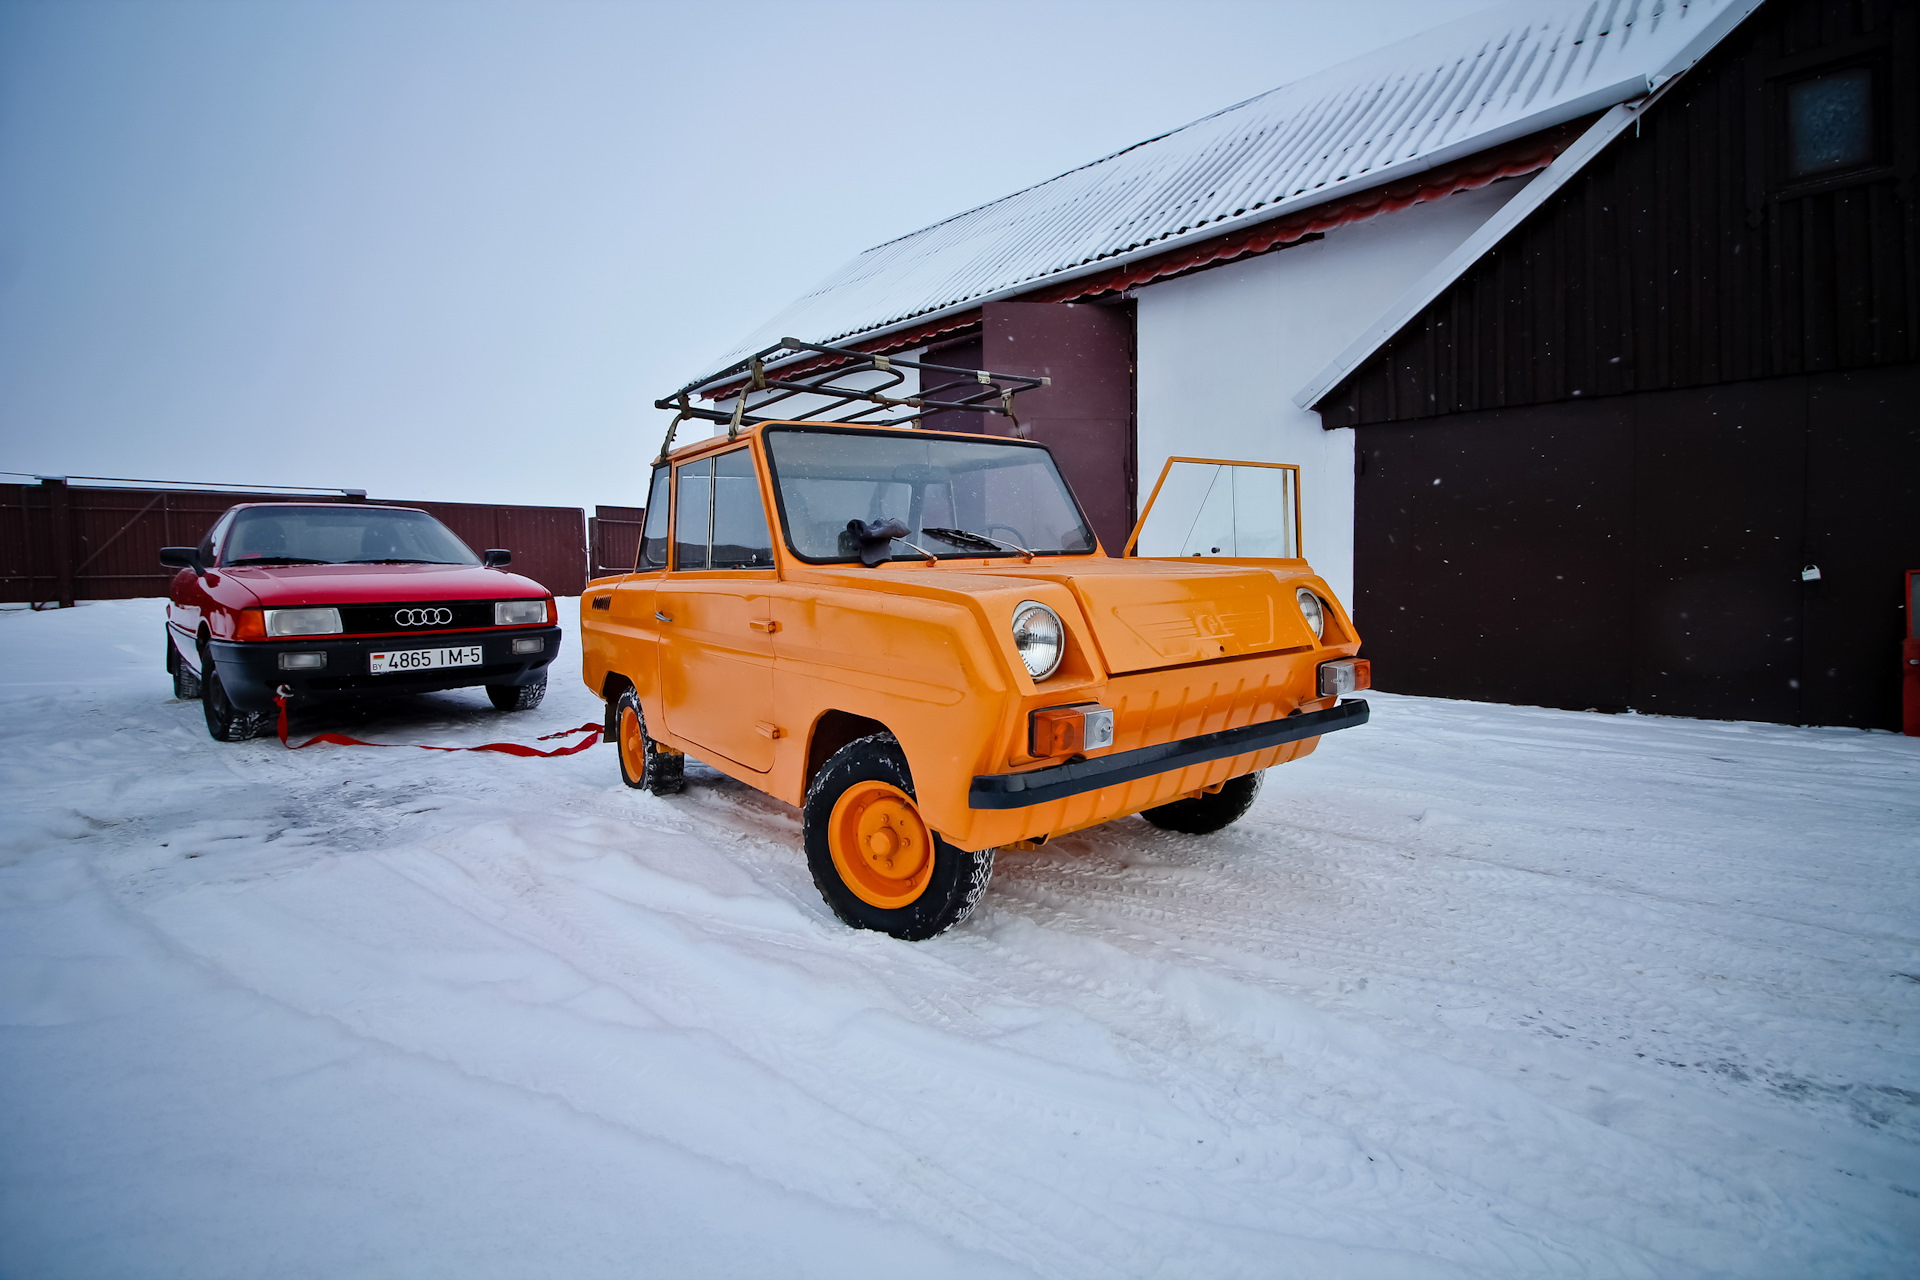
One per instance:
(1205, 814)
(226, 722)
(644, 763)
(186, 685)
(517, 697)
(958, 878)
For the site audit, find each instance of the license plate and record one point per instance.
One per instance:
(424, 659)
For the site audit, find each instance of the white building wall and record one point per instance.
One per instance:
(1222, 352)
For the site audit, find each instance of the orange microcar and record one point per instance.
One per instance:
(915, 637)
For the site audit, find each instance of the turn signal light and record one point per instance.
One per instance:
(1066, 731)
(1345, 675)
(252, 625)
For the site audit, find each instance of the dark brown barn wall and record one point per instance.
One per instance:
(1682, 256)
(1677, 385)
(1646, 552)
(1086, 416)
(1489, 559)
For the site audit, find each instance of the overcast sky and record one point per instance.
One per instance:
(455, 250)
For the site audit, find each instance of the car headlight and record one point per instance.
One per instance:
(1040, 638)
(518, 613)
(303, 622)
(1313, 612)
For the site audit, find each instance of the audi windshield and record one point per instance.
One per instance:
(955, 497)
(341, 535)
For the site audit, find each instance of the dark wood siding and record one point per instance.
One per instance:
(1682, 256)
(1646, 552)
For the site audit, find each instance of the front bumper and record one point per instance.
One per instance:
(250, 672)
(1020, 790)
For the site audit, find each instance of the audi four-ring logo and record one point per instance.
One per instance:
(422, 617)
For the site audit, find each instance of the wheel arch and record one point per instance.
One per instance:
(610, 690)
(833, 730)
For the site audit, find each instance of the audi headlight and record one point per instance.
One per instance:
(518, 613)
(303, 622)
(1040, 638)
(1311, 610)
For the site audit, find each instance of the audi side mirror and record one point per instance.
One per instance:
(182, 558)
(497, 558)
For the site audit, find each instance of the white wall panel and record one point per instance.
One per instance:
(1222, 352)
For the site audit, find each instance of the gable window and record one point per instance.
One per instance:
(1830, 123)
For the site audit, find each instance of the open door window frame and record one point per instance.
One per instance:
(1133, 539)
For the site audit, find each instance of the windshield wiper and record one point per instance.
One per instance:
(245, 561)
(962, 538)
(399, 560)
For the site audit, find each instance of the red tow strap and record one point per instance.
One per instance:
(504, 748)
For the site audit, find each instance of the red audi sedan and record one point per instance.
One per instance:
(335, 599)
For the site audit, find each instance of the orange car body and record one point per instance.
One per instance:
(763, 672)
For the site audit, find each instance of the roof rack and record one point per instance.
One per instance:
(964, 390)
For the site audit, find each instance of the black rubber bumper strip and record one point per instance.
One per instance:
(1019, 790)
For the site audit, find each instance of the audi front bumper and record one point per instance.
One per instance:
(251, 672)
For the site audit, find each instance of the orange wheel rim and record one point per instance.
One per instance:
(633, 744)
(881, 847)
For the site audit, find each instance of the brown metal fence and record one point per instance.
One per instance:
(62, 542)
(613, 533)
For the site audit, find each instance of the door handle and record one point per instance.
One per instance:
(663, 617)
(767, 625)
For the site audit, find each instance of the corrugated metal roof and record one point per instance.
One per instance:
(1471, 84)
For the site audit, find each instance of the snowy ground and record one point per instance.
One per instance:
(1476, 991)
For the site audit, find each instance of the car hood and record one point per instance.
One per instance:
(1157, 613)
(294, 585)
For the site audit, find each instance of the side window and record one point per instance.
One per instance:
(693, 525)
(740, 537)
(653, 534)
(720, 522)
(1236, 510)
(214, 536)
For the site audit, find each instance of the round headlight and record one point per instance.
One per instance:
(1310, 610)
(1039, 637)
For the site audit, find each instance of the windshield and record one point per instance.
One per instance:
(956, 497)
(341, 535)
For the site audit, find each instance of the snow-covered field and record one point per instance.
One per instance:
(1475, 991)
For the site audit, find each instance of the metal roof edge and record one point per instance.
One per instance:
(1555, 176)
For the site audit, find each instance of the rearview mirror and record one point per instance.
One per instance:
(497, 558)
(182, 558)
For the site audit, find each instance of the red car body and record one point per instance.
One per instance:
(219, 611)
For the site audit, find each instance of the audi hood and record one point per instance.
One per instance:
(296, 585)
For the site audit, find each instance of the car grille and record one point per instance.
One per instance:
(424, 616)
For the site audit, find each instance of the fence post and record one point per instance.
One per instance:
(60, 534)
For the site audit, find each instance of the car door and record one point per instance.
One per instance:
(715, 612)
(187, 599)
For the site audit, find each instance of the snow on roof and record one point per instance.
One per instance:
(1471, 84)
